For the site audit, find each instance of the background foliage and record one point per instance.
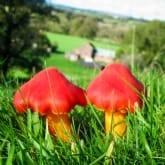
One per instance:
(149, 43)
(21, 45)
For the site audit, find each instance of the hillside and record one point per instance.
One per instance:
(85, 23)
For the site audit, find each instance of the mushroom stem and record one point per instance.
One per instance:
(60, 126)
(114, 123)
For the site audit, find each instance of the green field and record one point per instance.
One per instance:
(24, 139)
(68, 42)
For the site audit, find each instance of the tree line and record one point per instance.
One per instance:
(148, 40)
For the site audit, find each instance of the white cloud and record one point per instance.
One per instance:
(149, 9)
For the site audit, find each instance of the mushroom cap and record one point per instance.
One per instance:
(48, 92)
(115, 89)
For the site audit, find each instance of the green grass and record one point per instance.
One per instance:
(69, 43)
(24, 139)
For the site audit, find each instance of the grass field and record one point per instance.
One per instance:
(24, 138)
(68, 43)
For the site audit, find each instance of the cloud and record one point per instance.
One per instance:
(148, 9)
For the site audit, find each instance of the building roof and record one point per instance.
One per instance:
(104, 52)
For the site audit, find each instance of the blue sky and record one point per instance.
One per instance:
(147, 9)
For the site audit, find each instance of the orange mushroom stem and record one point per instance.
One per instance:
(115, 123)
(60, 126)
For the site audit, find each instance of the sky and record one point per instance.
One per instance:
(146, 9)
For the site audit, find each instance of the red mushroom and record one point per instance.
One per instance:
(115, 90)
(52, 95)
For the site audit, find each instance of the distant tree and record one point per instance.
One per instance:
(89, 28)
(20, 44)
(35, 1)
(149, 42)
(20, 2)
(84, 27)
(75, 24)
(160, 57)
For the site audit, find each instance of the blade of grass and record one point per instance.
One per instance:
(109, 153)
(25, 153)
(11, 149)
(98, 159)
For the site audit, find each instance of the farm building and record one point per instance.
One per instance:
(90, 54)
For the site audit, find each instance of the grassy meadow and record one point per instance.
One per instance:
(69, 42)
(25, 139)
